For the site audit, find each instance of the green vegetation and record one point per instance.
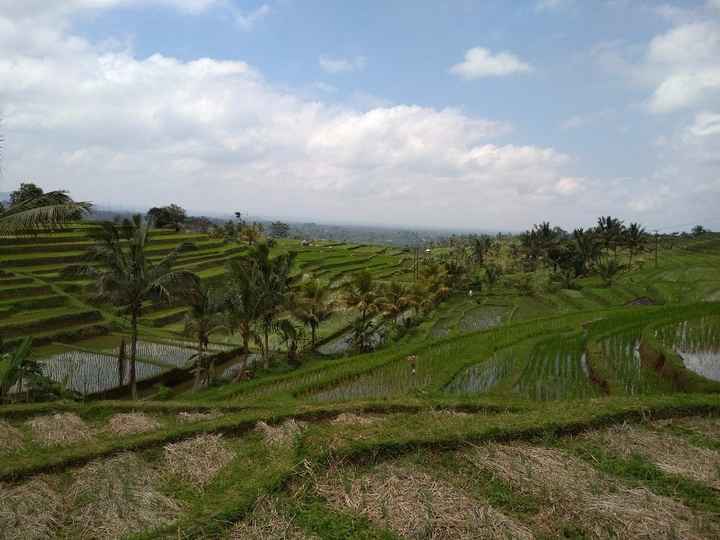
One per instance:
(545, 385)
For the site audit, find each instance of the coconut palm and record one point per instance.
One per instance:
(635, 239)
(312, 305)
(269, 278)
(361, 293)
(610, 230)
(125, 276)
(251, 233)
(396, 300)
(204, 318)
(16, 367)
(242, 301)
(608, 269)
(588, 248)
(48, 211)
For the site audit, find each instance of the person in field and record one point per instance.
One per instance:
(412, 360)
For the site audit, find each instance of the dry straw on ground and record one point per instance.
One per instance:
(114, 497)
(11, 438)
(672, 454)
(188, 417)
(350, 419)
(267, 523)
(705, 426)
(576, 494)
(416, 505)
(129, 423)
(282, 435)
(197, 460)
(59, 429)
(449, 413)
(29, 510)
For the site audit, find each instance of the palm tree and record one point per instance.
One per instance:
(611, 231)
(242, 301)
(48, 211)
(270, 278)
(312, 305)
(204, 318)
(361, 293)
(635, 239)
(608, 269)
(588, 249)
(397, 298)
(125, 276)
(251, 233)
(17, 366)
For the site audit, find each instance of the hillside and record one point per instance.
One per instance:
(590, 412)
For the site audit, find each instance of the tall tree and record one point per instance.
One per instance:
(278, 229)
(312, 305)
(634, 239)
(397, 298)
(204, 318)
(610, 230)
(125, 276)
(360, 292)
(168, 216)
(242, 301)
(271, 278)
(251, 233)
(588, 248)
(26, 192)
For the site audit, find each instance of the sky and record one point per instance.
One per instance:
(487, 114)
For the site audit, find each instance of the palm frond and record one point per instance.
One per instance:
(49, 211)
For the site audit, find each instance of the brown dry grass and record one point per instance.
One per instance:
(197, 460)
(114, 497)
(350, 419)
(673, 455)
(707, 426)
(267, 523)
(449, 413)
(129, 423)
(59, 429)
(188, 417)
(416, 505)
(11, 438)
(282, 435)
(29, 510)
(578, 495)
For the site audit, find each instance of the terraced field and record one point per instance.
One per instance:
(591, 413)
(37, 299)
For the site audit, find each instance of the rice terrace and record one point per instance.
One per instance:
(281, 270)
(468, 391)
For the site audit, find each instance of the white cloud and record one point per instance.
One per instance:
(480, 62)
(332, 64)
(214, 135)
(247, 21)
(706, 124)
(685, 62)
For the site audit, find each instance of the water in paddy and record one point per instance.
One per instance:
(698, 344)
(621, 353)
(482, 318)
(547, 371)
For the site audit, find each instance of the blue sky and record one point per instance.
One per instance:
(488, 114)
